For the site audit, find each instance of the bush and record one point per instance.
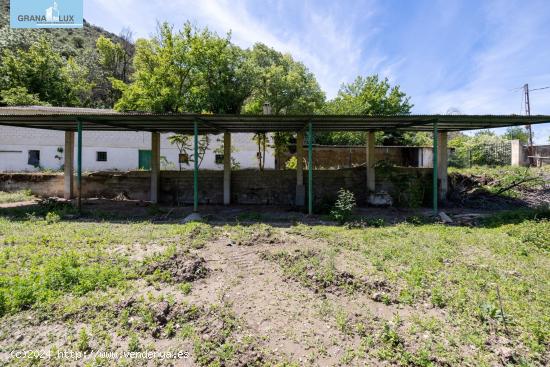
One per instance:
(343, 207)
(52, 217)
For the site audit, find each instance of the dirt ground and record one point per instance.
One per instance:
(264, 286)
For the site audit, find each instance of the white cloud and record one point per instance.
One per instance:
(327, 44)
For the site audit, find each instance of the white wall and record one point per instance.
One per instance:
(122, 150)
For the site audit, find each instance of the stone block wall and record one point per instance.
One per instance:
(270, 187)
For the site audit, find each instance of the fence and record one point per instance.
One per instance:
(490, 154)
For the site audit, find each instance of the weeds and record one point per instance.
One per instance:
(343, 208)
(15, 196)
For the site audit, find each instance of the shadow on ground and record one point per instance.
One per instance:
(116, 211)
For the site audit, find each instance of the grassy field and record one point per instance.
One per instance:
(229, 294)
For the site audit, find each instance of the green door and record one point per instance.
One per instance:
(145, 160)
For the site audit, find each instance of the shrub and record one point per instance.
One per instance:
(343, 207)
(52, 217)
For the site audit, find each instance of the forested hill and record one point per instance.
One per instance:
(80, 64)
(69, 42)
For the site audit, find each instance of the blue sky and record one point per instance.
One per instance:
(472, 56)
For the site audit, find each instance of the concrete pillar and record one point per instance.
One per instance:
(226, 168)
(68, 165)
(517, 153)
(300, 188)
(155, 166)
(442, 165)
(371, 179)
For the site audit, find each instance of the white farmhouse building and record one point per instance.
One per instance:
(23, 149)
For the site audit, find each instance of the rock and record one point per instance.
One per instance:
(193, 217)
(381, 198)
(445, 218)
(160, 311)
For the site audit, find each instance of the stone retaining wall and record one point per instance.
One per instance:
(276, 187)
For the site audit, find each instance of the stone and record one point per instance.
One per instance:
(381, 198)
(193, 217)
(445, 218)
(160, 311)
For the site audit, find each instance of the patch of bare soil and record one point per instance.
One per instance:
(17, 204)
(181, 266)
(302, 324)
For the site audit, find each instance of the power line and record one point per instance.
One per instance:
(539, 88)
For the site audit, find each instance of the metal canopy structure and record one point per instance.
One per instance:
(79, 119)
(64, 119)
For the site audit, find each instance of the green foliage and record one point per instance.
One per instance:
(517, 133)
(184, 143)
(343, 208)
(41, 73)
(83, 344)
(193, 70)
(15, 196)
(134, 344)
(20, 96)
(484, 148)
(287, 85)
(292, 163)
(369, 96)
(52, 217)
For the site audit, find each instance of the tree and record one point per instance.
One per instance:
(223, 75)
(44, 74)
(184, 144)
(367, 96)
(20, 96)
(289, 88)
(517, 133)
(193, 70)
(484, 148)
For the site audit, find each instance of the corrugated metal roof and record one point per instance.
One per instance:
(65, 118)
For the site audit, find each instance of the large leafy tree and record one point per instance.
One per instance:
(289, 88)
(517, 133)
(42, 75)
(287, 85)
(369, 96)
(192, 70)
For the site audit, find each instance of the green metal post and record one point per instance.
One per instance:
(435, 169)
(196, 167)
(310, 168)
(79, 165)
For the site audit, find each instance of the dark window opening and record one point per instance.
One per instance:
(219, 158)
(34, 158)
(101, 156)
(183, 158)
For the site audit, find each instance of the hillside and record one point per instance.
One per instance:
(70, 42)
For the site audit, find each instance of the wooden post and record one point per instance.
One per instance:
(68, 166)
(300, 188)
(155, 166)
(226, 168)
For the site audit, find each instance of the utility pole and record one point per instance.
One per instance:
(528, 127)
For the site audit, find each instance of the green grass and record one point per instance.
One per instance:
(78, 271)
(15, 196)
(460, 269)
